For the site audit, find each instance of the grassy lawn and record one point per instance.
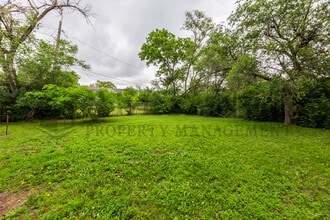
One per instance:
(165, 167)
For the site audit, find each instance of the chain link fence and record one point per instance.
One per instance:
(139, 108)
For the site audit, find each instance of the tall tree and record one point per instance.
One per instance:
(167, 52)
(218, 57)
(176, 57)
(18, 19)
(201, 28)
(36, 66)
(105, 84)
(290, 40)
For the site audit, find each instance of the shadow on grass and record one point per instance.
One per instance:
(60, 128)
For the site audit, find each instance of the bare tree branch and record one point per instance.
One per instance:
(17, 22)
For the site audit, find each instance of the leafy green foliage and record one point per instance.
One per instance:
(17, 23)
(40, 66)
(241, 74)
(259, 102)
(164, 50)
(105, 84)
(290, 39)
(104, 102)
(269, 65)
(128, 99)
(315, 106)
(59, 102)
(161, 103)
(220, 105)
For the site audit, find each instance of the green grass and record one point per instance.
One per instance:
(166, 167)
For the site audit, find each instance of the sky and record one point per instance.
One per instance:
(110, 43)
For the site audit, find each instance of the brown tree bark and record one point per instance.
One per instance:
(288, 112)
(11, 14)
(291, 113)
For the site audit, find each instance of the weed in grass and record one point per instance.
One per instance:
(170, 166)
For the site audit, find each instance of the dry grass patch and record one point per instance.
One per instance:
(11, 201)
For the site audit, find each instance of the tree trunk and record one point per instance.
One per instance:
(288, 112)
(291, 113)
(11, 78)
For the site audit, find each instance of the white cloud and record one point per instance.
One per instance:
(120, 28)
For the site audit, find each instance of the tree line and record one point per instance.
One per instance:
(269, 62)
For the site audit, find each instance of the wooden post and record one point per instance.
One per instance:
(57, 49)
(7, 124)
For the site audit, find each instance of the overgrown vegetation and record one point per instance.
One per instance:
(269, 62)
(166, 167)
(267, 58)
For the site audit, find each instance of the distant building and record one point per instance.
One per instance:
(116, 90)
(95, 88)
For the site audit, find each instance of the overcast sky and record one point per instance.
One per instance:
(110, 45)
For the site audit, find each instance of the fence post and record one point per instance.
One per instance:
(7, 122)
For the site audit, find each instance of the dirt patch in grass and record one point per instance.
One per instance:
(10, 201)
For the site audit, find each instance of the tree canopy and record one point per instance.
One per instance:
(18, 19)
(270, 62)
(277, 49)
(290, 39)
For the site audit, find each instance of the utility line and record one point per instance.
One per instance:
(107, 76)
(98, 50)
(100, 74)
(106, 54)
